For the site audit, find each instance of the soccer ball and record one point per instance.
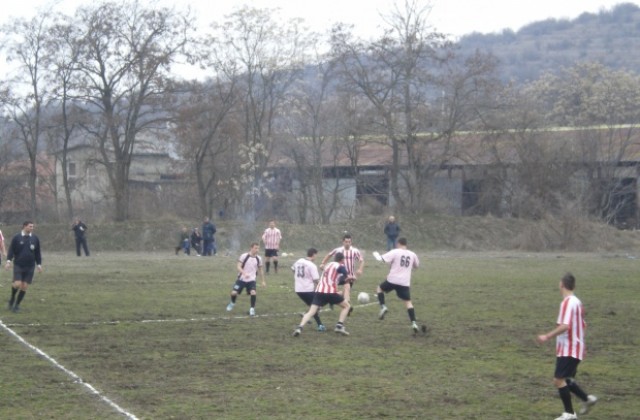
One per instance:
(363, 298)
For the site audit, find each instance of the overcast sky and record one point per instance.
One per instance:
(453, 17)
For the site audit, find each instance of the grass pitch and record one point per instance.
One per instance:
(149, 332)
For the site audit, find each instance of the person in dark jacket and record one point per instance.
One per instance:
(392, 230)
(24, 255)
(208, 239)
(80, 230)
(196, 241)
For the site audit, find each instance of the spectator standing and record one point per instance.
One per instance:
(271, 238)
(24, 254)
(392, 230)
(196, 241)
(570, 349)
(208, 238)
(80, 231)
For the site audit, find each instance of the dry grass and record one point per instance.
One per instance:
(150, 332)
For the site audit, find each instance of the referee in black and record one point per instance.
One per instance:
(24, 254)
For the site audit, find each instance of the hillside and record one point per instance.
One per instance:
(609, 37)
(428, 233)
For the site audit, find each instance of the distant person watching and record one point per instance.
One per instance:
(208, 238)
(392, 230)
(80, 231)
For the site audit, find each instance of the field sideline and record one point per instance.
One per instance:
(148, 334)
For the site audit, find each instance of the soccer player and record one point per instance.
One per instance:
(24, 254)
(334, 274)
(305, 277)
(570, 349)
(249, 266)
(402, 262)
(271, 238)
(351, 256)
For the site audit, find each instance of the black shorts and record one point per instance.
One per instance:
(307, 297)
(270, 253)
(403, 292)
(239, 285)
(23, 274)
(566, 367)
(322, 299)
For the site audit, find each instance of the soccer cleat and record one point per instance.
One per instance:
(297, 332)
(382, 313)
(567, 416)
(415, 327)
(230, 306)
(322, 328)
(586, 405)
(252, 312)
(16, 309)
(340, 330)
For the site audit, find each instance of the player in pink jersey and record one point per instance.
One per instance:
(570, 349)
(249, 265)
(334, 274)
(402, 262)
(271, 238)
(305, 277)
(351, 256)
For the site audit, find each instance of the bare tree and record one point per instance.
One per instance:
(270, 57)
(27, 94)
(200, 128)
(405, 75)
(65, 113)
(126, 52)
(602, 104)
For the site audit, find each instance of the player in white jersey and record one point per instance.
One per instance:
(271, 238)
(305, 277)
(352, 256)
(570, 349)
(326, 292)
(249, 265)
(402, 262)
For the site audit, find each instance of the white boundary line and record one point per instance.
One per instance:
(177, 320)
(76, 378)
(94, 391)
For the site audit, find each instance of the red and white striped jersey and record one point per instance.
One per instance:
(571, 342)
(271, 238)
(351, 256)
(305, 273)
(329, 280)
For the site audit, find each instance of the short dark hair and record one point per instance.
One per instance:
(311, 252)
(569, 281)
(347, 236)
(338, 257)
(27, 222)
(402, 241)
